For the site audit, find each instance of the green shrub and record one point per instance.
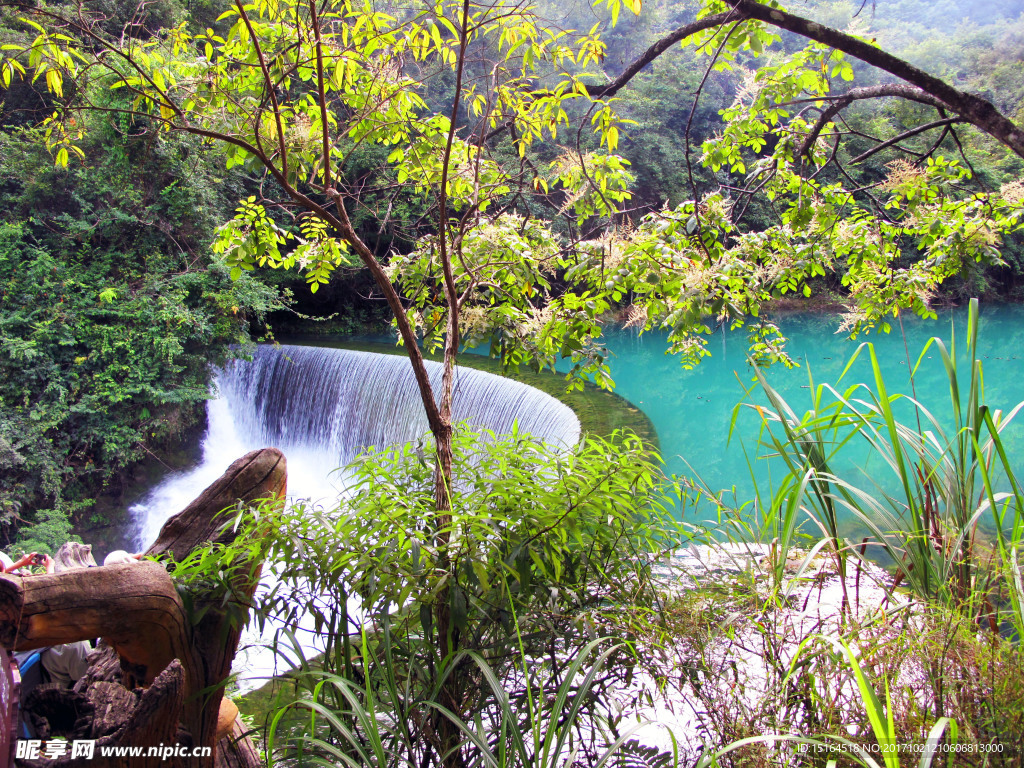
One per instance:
(543, 552)
(112, 313)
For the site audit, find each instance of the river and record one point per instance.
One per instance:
(691, 410)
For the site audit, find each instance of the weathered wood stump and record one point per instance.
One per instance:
(157, 678)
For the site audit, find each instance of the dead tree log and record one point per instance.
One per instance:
(170, 667)
(135, 608)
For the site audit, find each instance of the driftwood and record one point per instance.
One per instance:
(157, 677)
(10, 689)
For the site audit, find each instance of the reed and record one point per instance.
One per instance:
(950, 472)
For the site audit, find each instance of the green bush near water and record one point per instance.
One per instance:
(544, 552)
(111, 315)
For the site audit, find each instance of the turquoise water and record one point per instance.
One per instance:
(692, 410)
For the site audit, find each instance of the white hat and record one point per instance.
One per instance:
(5, 561)
(118, 556)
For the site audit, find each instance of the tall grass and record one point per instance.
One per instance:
(944, 472)
(878, 713)
(950, 473)
(342, 723)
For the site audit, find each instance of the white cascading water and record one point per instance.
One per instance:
(324, 406)
(321, 407)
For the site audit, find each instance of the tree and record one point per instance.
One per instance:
(293, 89)
(296, 89)
(111, 315)
(550, 548)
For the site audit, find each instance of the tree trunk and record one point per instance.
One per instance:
(150, 640)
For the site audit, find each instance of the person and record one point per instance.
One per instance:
(73, 554)
(59, 665)
(66, 663)
(120, 556)
(32, 558)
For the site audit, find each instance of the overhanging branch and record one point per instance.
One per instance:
(631, 71)
(906, 135)
(973, 109)
(900, 90)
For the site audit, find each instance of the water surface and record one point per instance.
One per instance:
(692, 410)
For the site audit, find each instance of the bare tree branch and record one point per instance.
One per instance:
(271, 92)
(906, 135)
(973, 109)
(325, 126)
(870, 92)
(638, 64)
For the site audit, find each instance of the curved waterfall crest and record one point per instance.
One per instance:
(323, 406)
(338, 402)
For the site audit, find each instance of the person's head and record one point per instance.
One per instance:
(119, 556)
(5, 563)
(74, 555)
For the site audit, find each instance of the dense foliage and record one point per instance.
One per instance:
(112, 313)
(482, 143)
(545, 550)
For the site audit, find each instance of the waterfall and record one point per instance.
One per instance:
(321, 407)
(334, 403)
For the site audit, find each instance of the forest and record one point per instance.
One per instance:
(182, 180)
(124, 304)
